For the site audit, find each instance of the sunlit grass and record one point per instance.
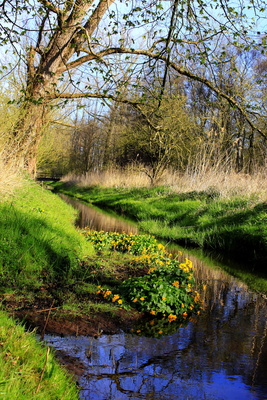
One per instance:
(39, 242)
(28, 369)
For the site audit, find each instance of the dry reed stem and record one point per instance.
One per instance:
(10, 179)
(227, 184)
(43, 370)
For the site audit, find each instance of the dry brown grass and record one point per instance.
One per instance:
(228, 184)
(114, 177)
(10, 179)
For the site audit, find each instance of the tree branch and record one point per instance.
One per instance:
(180, 70)
(47, 4)
(135, 104)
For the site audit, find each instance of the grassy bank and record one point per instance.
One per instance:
(40, 249)
(40, 244)
(235, 226)
(28, 370)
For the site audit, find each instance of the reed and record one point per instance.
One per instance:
(10, 179)
(226, 182)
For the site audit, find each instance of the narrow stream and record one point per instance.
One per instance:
(222, 355)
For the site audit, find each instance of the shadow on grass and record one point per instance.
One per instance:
(33, 252)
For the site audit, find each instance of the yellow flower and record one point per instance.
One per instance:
(138, 331)
(120, 301)
(184, 314)
(175, 283)
(172, 317)
(160, 332)
(116, 297)
(99, 291)
(196, 298)
(142, 298)
(107, 293)
(152, 322)
(184, 267)
(189, 263)
(135, 300)
(163, 298)
(153, 312)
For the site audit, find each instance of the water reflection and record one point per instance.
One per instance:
(222, 355)
(94, 219)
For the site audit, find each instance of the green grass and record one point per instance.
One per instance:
(236, 227)
(28, 369)
(39, 243)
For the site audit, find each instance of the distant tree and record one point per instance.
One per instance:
(159, 140)
(86, 147)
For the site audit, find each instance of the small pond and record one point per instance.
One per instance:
(222, 355)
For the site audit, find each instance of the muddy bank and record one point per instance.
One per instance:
(77, 325)
(45, 316)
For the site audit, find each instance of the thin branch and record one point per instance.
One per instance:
(47, 4)
(63, 124)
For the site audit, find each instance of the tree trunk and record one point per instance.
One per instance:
(251, 153)
(22, 146)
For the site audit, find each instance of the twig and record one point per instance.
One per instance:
(43, 370)
(47, 318)
(47, 309)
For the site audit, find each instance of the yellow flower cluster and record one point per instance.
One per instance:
(107, 293)
(143, 259)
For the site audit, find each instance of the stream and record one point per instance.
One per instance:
(222, 355)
